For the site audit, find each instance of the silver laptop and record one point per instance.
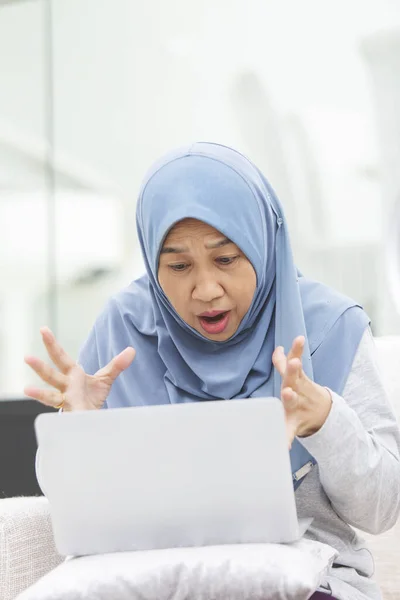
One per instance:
(167, 476)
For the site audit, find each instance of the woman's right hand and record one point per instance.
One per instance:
(72, 387)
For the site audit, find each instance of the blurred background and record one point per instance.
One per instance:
(92, 91)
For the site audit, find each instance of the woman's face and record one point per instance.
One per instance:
(207, 278)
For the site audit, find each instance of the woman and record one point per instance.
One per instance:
(220, 304)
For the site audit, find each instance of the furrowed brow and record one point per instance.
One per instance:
(173, 250)
(219, 244)
(181, 249)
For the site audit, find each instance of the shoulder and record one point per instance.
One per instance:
(325, 309)
(366, 364)
(127, 319)
(318, 296)
(131, 308)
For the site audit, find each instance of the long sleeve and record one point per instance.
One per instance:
(358, 448)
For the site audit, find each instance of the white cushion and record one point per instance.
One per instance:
(27, 549)
(240, 572)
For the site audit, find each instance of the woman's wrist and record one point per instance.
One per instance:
(320, 407)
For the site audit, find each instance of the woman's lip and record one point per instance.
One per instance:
(218, 327)
(212, 313)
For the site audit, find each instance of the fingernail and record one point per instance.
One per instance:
(45, 329)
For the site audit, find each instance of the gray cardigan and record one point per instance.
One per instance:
(357, 480)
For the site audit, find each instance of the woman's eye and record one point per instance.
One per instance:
(226, 260)
(178, 267)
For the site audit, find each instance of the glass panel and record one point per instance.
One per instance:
(24, 198)
(95, 120)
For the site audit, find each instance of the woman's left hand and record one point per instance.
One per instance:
(307, 404)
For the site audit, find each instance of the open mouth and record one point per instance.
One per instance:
(215, 323)
(215, 318)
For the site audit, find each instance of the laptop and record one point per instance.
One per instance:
(151, 477)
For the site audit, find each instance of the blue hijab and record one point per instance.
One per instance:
(175, 363)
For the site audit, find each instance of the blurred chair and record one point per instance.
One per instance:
(18, 447)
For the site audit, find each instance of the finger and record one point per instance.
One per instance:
(47, 373)
(290, 432)
(290, 400)
(47, 397)
(279, 360)
(118, 364)
(297, 348)
(292, 374)
(59, 357)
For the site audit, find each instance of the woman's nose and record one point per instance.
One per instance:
(207, 289)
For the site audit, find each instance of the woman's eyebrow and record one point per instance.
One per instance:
(181, 249)
(172, 250)
(219, 244)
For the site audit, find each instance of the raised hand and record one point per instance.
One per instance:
(307, 404)
(73, 389)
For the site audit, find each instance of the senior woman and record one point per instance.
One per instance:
(223, 313)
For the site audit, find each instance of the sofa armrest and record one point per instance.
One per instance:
(27, 550)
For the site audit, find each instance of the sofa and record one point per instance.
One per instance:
(27, 550)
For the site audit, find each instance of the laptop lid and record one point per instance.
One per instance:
(166, 476)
